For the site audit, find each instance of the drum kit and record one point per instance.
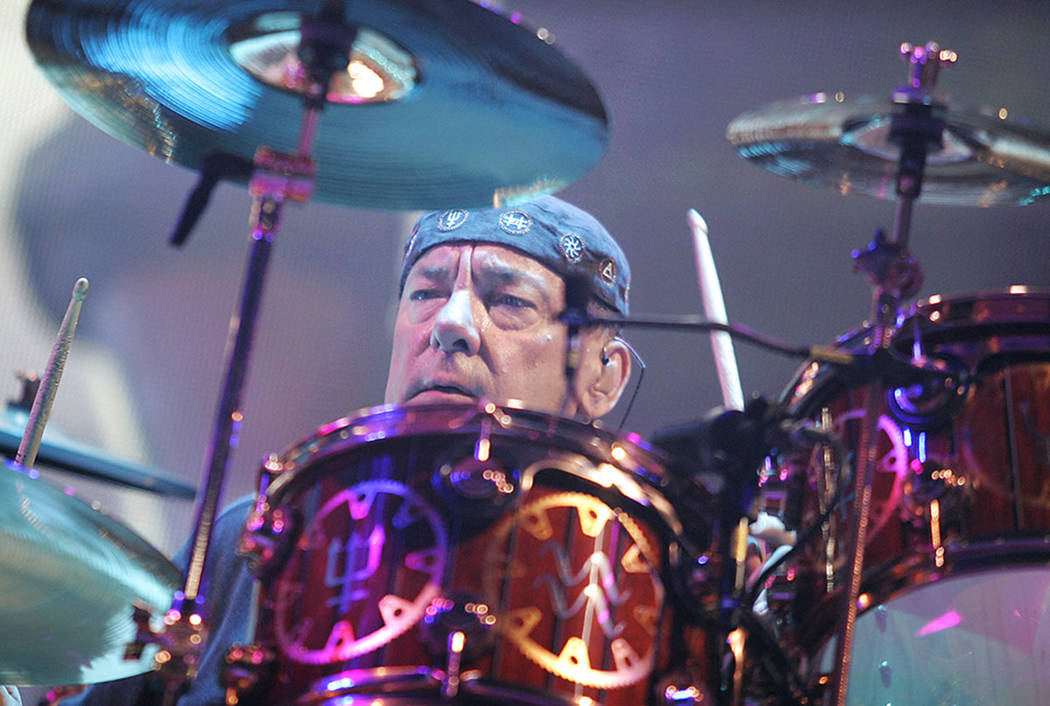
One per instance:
(487, 553)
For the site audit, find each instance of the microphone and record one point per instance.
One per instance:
(728, 444)
(723, 452)
(575, 317)
(215, 167)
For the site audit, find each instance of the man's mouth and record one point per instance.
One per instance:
(440, 391)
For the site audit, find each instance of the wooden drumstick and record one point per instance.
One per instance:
(45, 394)
(715, 310)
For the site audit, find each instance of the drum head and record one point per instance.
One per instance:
(978, 638)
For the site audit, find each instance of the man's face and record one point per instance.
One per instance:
(479, 320)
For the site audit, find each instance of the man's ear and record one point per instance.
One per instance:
(605, 369)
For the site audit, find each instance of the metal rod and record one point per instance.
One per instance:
(915, 130)
(311, 117)
(858, 529)
(228, 416)
(902, 220)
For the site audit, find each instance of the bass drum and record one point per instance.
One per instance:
(956, 591)
(413, 555)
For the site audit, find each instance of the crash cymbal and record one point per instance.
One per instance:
(444, 102)
(830, 140)
(69, 576)
(60, 451)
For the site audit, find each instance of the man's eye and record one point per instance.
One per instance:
(424, 294)
(511, 301)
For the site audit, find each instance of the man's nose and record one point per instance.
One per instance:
(455, 330)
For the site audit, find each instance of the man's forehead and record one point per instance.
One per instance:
(487, 260)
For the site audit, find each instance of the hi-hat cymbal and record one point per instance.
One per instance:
(827, 140)
(69, 577)
(59, 451)
(444, 103)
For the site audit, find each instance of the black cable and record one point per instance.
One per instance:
(688, 322)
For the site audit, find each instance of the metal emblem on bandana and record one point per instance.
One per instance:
(515, 222)
(411, 244)
(452, 219)
(571, 247)
(607, 271)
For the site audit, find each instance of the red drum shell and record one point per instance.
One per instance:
(546, 543)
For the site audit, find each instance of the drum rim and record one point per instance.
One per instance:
(409, 681)
(940, 302)
(640, 463)
(512, 407)
(814, 374)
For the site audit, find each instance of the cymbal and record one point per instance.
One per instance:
(69, 576)
(60, 451)
(451, 103)
(828, 140)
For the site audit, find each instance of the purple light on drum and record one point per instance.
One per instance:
(337, 684)
(332, 426)
(944, 622)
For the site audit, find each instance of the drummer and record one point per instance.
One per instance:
(480, 295)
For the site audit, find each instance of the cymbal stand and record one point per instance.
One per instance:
(895, 276)
(276, 178)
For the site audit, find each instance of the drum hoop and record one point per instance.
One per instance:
(645, 468)
(403, 686)
(942, 319)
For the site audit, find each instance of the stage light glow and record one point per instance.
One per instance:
(365, 82)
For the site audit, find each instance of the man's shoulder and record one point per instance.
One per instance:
(230, 522)
(225, 534)
(235, 514)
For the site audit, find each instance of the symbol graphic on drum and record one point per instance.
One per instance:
(387, 528)
(582, 627)
(351, 579)
(599, 594)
